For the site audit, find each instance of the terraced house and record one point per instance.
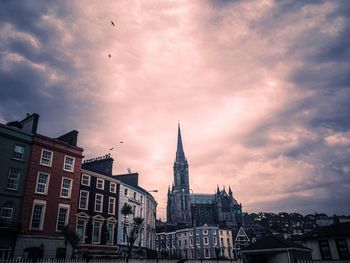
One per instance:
(50, 196)
(16, 139)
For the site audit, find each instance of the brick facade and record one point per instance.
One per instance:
(51, 198)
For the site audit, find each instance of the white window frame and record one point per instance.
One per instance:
(205, 241)
(64, 164)
(42, 218)
(114, 187)
(100, 230)
(214, 240)
(14, 179)
(41, 158)
(82, 179)
(126, 191)
(100, 211)
(103, 184)
(205, 232)
(58, 213)
(69, 190)
(206, 250)
(22, 153)
(87, 200)
(109, 204)
(82, 238)
(10, 208)
(113, 230)
(46, 185)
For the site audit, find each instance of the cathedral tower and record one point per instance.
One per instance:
(178, 207)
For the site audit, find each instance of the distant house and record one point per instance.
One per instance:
(205, 242)
(275, 249)
(241, 241)
(330, 243)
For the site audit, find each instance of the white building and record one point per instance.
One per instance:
(143, 205)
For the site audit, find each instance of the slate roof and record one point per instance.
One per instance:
(202, 198)
(273, 242)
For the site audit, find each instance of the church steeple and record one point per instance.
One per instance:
(180, 155)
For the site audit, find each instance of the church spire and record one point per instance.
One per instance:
(180, 155)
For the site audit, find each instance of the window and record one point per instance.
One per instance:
(113, 187)
(214, 232)
(68, 164)
(205, 241)
(66, 187)
(141, 198)
(38, 214)
(62, 216)
(100, 183)
(98, 203)
(96, 231)
(343, 250)
(206, 253)
(110, 231)
(185, 242)
(191, 241)
(111, 206)
(18, 152)
(13, 178)
(214, 240)
(173, 243)
(126, 191)
(84, 200)
(190, 233)
(42, 183)
(85, 180)
(134, 195)
(81, 229)
(205, 232)
(46, 157)
(324, 248)
(197, 241)
(6, 213)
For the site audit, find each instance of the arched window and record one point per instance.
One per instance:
(6, 213)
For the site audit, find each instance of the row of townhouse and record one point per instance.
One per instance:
(205, 242)
(45, 187)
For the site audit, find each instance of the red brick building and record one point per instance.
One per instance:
(51, 195)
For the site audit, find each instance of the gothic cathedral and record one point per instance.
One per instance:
(185, 208)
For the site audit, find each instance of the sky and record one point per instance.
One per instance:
(261, 90)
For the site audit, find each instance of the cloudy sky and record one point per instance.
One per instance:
(261, 89)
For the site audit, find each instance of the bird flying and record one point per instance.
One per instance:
(110, 55)
(111, 149)
(112, 23)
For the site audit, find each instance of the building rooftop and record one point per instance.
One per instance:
(335, 230)
(273, 242)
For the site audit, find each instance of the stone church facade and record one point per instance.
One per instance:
(191, 209)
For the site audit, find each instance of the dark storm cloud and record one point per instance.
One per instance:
(36, 74)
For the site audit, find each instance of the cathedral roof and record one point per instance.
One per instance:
(202, 198)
